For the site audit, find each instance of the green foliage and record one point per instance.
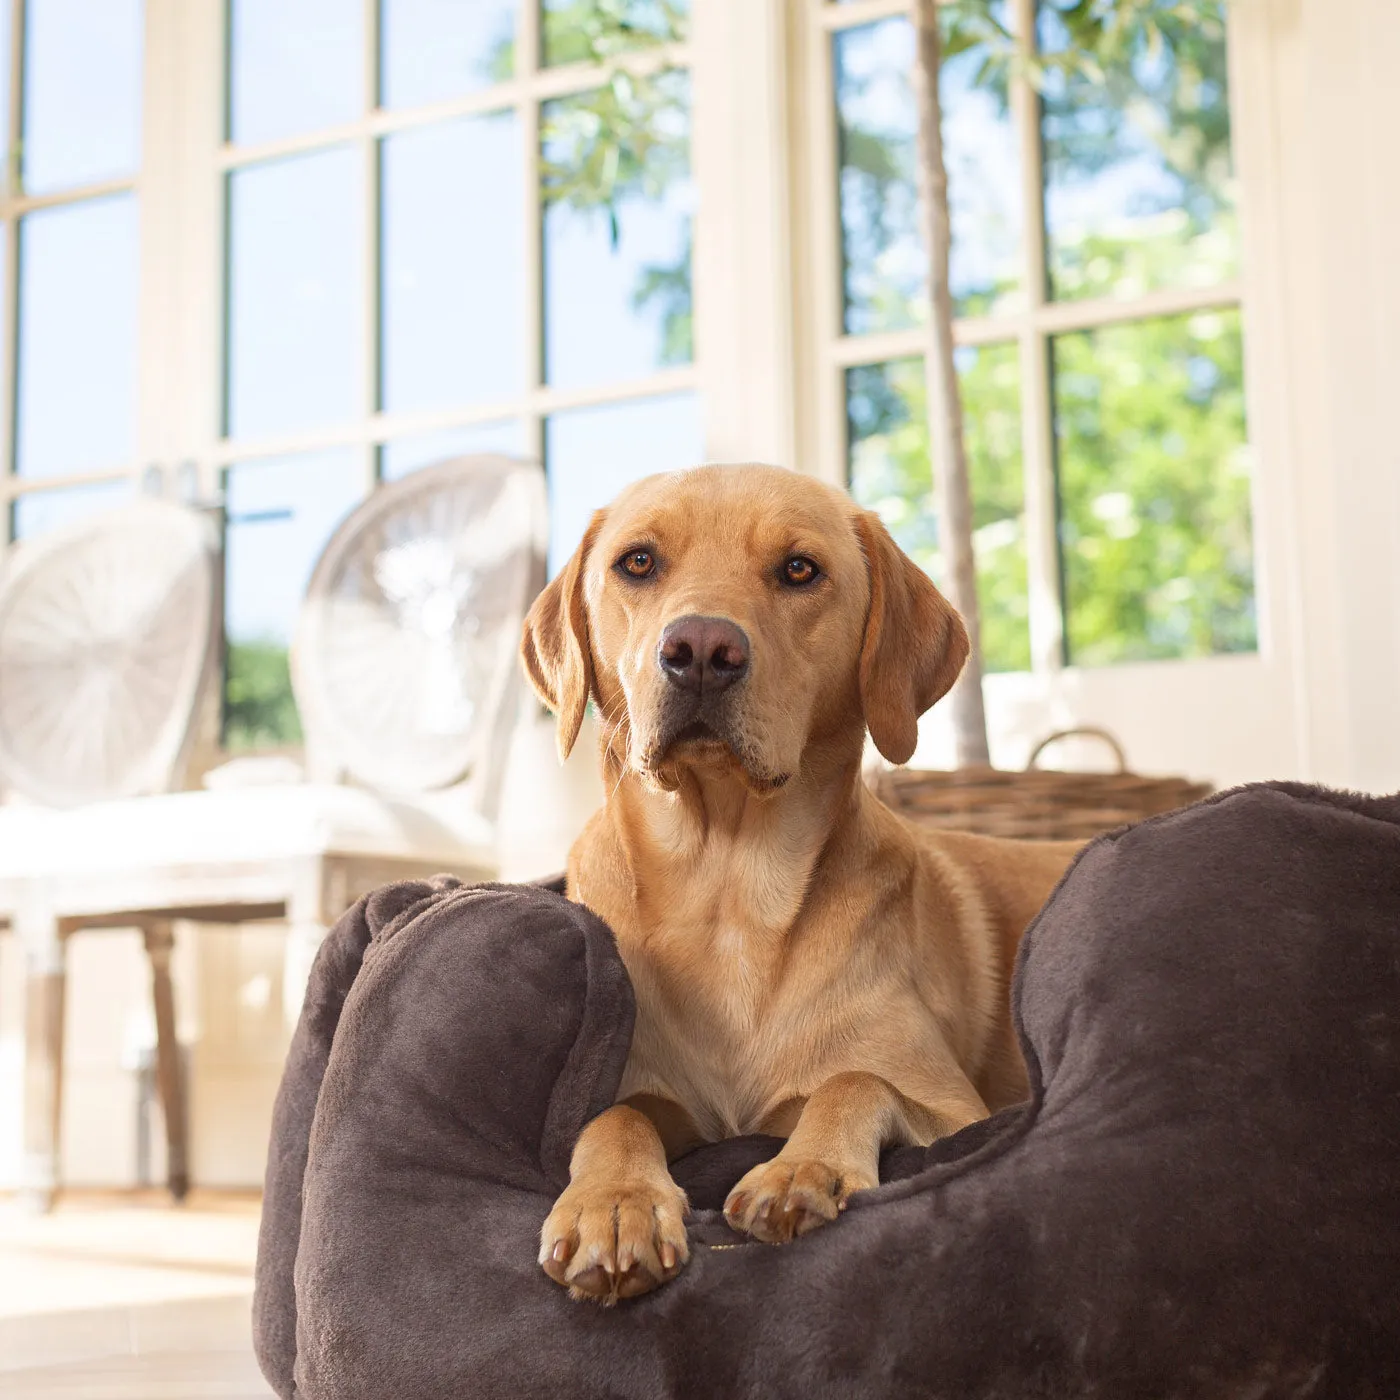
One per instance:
(1154, 489)
(1154, 486)
(594, 31)
(1137, 87)
(669, 285)
(627, 140)
(1167, 250)
(1142, 84)
(259, 711)
(1157, 50)
(1153, 470)
(892, 475)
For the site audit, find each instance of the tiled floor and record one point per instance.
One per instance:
(165, 1375)
(112, 1297)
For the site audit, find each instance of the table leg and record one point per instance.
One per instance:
(45, 976)
(160, 941)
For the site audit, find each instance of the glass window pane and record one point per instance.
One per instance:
(280, 515)
(294, 66)
(617, 230)
(592, 453)
(77, 337)
(433, 50)
(1154, 476)
(454, 265)
(5, 236)
(295, 337)
(38, 512)
(1139, 189)
(884, 262)
(891, 475)
(5, 35)
(406, 455)
(590, 31)
(82, 91)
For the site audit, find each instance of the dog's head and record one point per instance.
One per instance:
(730, 617)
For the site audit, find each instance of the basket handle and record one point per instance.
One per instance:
(1088, 730)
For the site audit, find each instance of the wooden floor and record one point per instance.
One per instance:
(124, 1297)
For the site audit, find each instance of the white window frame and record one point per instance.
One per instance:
(15, 205)
(186, 162)
(523, 94)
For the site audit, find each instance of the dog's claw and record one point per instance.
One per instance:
(783, 1199)
(605, 1243)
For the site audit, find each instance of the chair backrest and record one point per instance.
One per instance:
(404, 663)
(107, 640)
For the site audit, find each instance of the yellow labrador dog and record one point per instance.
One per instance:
(806, 963)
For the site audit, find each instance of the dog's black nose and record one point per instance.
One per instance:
(703, 655)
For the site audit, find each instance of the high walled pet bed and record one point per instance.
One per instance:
(1201, 1199)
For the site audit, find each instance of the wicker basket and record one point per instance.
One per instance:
(1040, 804)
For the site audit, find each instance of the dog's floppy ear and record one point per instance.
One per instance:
(554, 647)
(915, 643)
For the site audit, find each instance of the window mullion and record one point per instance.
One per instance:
(9, 328)
(373, 226)
(527, 55)
(9, 270)
(829, 450)
(12, 184)
(1037, 413)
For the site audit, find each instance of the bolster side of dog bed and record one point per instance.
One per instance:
(336, 966)
(481, 1036)
(1198, 1202)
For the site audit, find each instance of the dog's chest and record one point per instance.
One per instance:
(714, 1026)
(708, 940)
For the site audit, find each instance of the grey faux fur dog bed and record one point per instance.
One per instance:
(1201, 1199)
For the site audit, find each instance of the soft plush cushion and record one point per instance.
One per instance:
(1202, 1197)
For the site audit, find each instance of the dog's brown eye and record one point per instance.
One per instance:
(799, 570)
(637, 562)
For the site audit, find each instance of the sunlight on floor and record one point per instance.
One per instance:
(117, 1295)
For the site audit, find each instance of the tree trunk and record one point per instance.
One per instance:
(947, 450)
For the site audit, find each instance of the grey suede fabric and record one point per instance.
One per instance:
(1202, 1197)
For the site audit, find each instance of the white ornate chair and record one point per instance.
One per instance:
(404, 671)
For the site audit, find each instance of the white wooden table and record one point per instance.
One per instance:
(303, 853)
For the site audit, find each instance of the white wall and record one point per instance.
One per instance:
(1337, 112)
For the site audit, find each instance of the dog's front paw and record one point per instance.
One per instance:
(605, 1240)
(784, 1198)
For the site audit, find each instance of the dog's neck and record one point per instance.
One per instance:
(729, 847)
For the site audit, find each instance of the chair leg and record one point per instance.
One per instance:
(160, 941)
(45, 979)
